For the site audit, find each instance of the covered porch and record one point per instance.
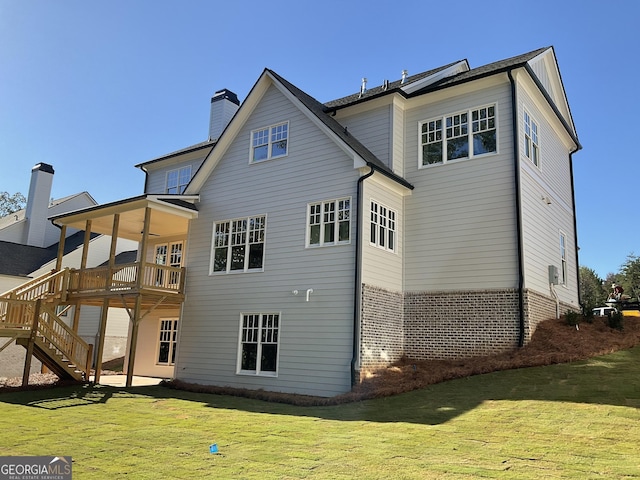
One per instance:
(141, 287)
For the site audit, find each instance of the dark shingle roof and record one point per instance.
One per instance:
(318, 110)
(378, 91)
(122, 258)
(192, 148)
(472, 74)
(21, 260)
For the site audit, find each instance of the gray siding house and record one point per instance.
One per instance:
(428, 217)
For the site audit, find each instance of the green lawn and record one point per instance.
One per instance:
(579, 420)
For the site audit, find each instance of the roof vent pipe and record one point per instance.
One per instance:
(363, 87)
(404, 77)
(385, 85)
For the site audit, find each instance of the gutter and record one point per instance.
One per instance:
(355, 358)
(516, 165)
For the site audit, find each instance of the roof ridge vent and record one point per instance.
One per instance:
(404, 77)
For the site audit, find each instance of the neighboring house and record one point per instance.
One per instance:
(29, 248)
(306, 244)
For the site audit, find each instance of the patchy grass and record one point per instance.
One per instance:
(577, 420)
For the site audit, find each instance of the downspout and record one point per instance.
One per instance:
(575, 224)
(516, 166)
(358, 278)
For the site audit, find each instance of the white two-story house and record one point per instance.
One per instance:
(428, 217)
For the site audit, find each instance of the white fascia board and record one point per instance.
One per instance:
(460, 67)
(230, 133)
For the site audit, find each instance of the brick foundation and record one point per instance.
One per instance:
(446, 325)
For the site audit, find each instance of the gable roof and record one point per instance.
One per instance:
(457, 77)
(21, 260)
(317, 109)
(312, 108)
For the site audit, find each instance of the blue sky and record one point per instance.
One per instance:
(95, 87)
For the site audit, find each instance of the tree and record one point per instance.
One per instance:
(11, 203)
(630, 275)
(592, 288)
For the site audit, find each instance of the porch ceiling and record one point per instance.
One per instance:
(167, 219)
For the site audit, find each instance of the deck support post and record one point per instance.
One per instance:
(32, 340)
(112, 250)
(104, 311)
(63, 237)
(133, 340)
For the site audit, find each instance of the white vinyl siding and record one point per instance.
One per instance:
(380, 268)
(460, 220)
(315, 355)
(157, 173)
(372, 128)
(545, 220)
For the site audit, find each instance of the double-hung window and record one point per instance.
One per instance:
(383, 227)
(563, 258)
(238, 245)
(329, 222)
(168, 342)
(178, 179)
(531, 145)
(461, 135)
(269, 142)
(259, 339)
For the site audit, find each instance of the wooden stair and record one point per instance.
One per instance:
(28, 315)
(53, 359)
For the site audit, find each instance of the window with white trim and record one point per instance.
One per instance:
(457, 136)
(563, 258)
(383, 227)
(531, 145)
(238, 245)
(259, 341)
(329, 222)
(178, 179)
(269, 142)
(168, 341)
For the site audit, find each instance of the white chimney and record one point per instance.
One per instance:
(38, 204)
(224, 105)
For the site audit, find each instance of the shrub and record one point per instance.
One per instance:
(615, 320)
(572, 318)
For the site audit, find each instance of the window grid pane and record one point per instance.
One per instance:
(329, 222)
(460, 140)
(270, 142)
(238, 245)
(259, 343)
(383, 227)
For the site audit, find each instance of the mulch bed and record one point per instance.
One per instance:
(554, 341)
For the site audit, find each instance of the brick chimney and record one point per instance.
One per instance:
(224, 105)
(38, 204)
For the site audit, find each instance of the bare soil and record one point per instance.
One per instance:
(554, 341)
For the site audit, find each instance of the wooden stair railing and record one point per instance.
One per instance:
(50, 285)
(35, 325)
